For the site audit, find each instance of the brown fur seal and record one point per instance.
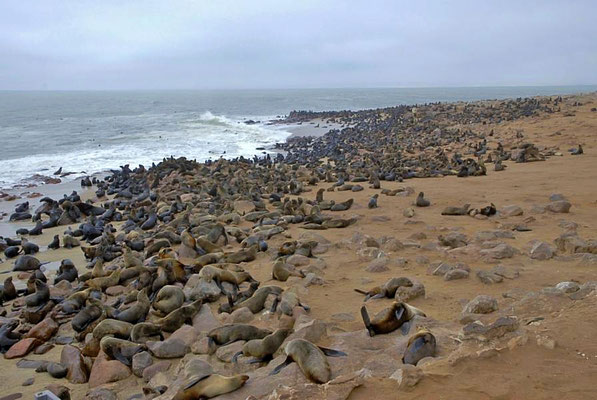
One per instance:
(138, 311)
(422, 201)
(91, 313)
(105, 282)
(41, 295)
(231, 333)
(420, 345)
(121, 350)
(219, 275)
(247, 254)
(168, 299)
(208, 386)
(456, 210)
(287, 301)
(188, 245)
(282, 271)
(310, 358)
(178, 317)
(344, 206)
(9, 290)
(391, 318)
(240, 297)
(7, 336)
(257, 302)
(66, 272)
(263, 349)
(26, 263)
(144, 331)
(112, 327)
(130, 260)
(388, 289)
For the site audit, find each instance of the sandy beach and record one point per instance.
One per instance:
(549, 352)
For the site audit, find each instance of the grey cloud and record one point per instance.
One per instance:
(184, 44)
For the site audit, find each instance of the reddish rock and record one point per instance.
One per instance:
(44, 330)
(106, 371)
(150, 371)
(22, 348)
(72, 359)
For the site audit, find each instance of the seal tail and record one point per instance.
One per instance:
(360, 291)
(367, 321)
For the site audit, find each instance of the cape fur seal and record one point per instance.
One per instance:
(263, 349)
(388, 289)
(210, 385)
(310, 358)
(391, 318)
(420, 345)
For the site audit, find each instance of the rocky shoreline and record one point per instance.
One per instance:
(158, 279)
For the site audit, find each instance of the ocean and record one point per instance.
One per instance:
(91, 131)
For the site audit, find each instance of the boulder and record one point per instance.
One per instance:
(481, 304)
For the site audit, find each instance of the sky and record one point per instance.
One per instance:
(221, 44)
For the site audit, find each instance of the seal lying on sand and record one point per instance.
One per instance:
(209, 386)
(310, 358)
(390, 319)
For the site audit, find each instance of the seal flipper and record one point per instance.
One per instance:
(367, 321)
(405, 327)
(377, 296)
(279, 368)
(332, 352)
(195, 381)
(235, 357)
(275, 304)
(230, 300)
(305, 307)
(117, 355)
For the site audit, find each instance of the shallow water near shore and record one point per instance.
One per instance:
(87, 132)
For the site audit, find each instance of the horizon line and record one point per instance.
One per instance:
(298, 88)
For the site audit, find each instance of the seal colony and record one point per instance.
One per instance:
(257, 277)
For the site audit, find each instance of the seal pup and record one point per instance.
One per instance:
(168, 299)
(144, 331)
(420, 345)
(226, 334)
(41, 295)
(464, 210)
(389, 319)
(121, 350)
(282, 271)
(178, 317)
(388, 289)
(310, 358)
(209, 386)
(66, 272)
(55, 243)
(373, 201)
(7, 336)
(576, 152)
(263, 349)
(422, 201)
(138, 311)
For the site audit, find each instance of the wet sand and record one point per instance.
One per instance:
(528, 371)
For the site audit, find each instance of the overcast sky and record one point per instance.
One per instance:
(183, 44)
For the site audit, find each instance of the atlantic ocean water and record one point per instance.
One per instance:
(92, 131)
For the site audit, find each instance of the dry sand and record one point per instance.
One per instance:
(530, 371)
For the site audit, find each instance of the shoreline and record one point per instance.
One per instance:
(450, 260)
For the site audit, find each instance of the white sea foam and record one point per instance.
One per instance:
(202, 137)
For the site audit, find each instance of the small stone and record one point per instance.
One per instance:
(568, 287)
(140, 362)
(242, 316)
(406, 293)
(378, 265)
(28, 382)
(101, 394)
(456, 274)
(152, 370)
(499, 252)
(202, 346)
(170, 348)
(407, 376)
(560, 206)
(489, 278)
(481, 304)
(22, 348)
(511, 211)
(312, 279)
(546, 342)
(408, 212)
(298, 260)
(225, 353)
(541, 251)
